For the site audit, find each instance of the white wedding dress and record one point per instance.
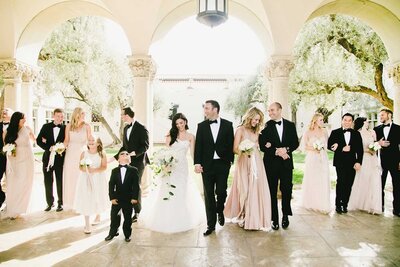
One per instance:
(182, 211)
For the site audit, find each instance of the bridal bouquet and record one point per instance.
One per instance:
(375, 146)
(163, 163)
(58, 148)
(318, 145)
(85, 162)
(246, 147)
(9, 150)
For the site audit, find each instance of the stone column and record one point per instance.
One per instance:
(19, 80)
(394, 73)
(143, 69)
(277, 73)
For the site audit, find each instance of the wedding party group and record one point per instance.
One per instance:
(76, 159)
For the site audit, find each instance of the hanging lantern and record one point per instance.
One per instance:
(212, 12)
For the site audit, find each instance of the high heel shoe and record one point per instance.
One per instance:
(87, 230)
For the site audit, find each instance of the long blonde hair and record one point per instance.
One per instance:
(251, 114)
(75, 118)
(314, 119)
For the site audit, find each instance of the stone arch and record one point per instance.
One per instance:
(33, 36)
(259, 25)
(382, 20)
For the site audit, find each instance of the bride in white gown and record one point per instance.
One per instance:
(184, 210)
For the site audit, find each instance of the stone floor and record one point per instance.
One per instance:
(57, 239)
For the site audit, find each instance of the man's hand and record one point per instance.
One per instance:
(198, 168)
(132, 154)
(134, 201)
(281, 151)
(346, 148)
(357, 166)
(44, 140)
(334, 147)
(285, 156)
(268, 145)
(114, 201)
(383, 143)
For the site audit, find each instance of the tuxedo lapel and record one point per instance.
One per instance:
(275, 132)
(209, 132)
(219, 131)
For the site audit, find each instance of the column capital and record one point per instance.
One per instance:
(142, 66)
(12, 69)
(394, 73)
(279, 67)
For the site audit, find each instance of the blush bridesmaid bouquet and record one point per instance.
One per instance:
(85, 162)
(59, 148)
(246, 147)
(10, 150)
(375, 146)
(318, 145)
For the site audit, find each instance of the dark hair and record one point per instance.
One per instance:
(388, 111)
(359, 123)
(173, 133)
(58, 110)
(277, 104)
(13, 128)
(214, 103)
(128, 111)
(348, 115)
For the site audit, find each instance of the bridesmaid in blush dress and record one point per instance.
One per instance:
(249, 201)
(20, 170)
(77, 133)
(316, 185)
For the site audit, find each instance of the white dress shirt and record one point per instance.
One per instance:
(279, 129)
(128, 132)
(56, 132)
(123, 172)
(214, 130)
(347, 137)
(386, 131)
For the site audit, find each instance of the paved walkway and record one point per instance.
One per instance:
(57, 238)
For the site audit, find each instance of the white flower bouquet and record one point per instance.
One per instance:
(318, 145)
(246, 147)
(375, 146)
(85, 162)
(164, 162)
(59, 148)
(9, 150)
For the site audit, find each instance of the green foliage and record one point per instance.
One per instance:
(252, 93)
(334, 56)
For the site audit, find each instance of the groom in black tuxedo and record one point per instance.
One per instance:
(388, 135)
(123, 190)
(6, 116)
(278, 140)
(347, 145)
(136, 142)
(213, 156)
(50, 134)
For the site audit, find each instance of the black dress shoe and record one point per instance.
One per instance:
(135, 218)
(275, 225)
(208, 232)
(396, 213)
(339, 210)
(109, 237)
(127, 239)
(221, 219)
(48, 208)
(59, 208)
(344, 210)
(285, 221)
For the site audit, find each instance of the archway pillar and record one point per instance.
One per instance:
(277, 72)
(394, 73)
(19, 83)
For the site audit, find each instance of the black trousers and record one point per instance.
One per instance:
(48, 184)
(138, 206)
(395, 174)
(115, 215)
(3, 163)
(285, 176)
(344, 183)
(215, 183)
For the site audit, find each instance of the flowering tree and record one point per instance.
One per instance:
(77, 61)
(336, 56)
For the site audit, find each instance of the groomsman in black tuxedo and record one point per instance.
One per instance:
(136, 142)
(6, 115)
(346, 143)
(388, 135)
(213, 156)
(278, 140)
(50, 134)
(123, 190)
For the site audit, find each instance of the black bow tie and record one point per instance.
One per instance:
(386, 125)
(6, 123)
(56, 125)
(129, 125)
(278, 122)
(211, 122)
(346, 130)
(122, 166)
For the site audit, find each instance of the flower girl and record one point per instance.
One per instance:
(91, 192)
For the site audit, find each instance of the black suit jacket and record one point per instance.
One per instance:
(47, 133)
(390, 156)
(289, 140)
(205, 146)
(355, 155)
(138, 142)
(124, 192)
(1, 137)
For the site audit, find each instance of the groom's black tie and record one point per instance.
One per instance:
(278, 122)
(212, 121)
(346, 130)
(122, 166)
